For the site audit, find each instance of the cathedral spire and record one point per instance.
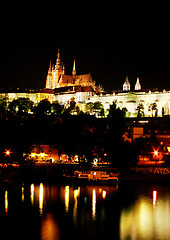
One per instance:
(126, 85)
(74, 69)
(137, 85)
(58, 57)
(50, 66)
(58, 54)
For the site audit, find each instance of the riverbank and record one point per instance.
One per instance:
(63, 173)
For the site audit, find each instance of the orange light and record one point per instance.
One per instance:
(104, 194)
(154, 198)
(7, 152)
(156, 153)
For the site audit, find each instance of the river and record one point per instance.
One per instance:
(53, 212)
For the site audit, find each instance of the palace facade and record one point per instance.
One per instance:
(62, 88)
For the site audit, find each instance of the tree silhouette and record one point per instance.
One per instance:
(140, 110)
(21, 105)
(56, 108)
(43, 108)
(153, 107)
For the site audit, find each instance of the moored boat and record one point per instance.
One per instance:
(96, 175)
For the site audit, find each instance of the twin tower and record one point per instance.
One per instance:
(126, 85)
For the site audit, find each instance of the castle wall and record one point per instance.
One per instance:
(130, 100)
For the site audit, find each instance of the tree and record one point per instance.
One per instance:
(3, 105)
(98, 106)
(116, 126)
(89, 107)
(21, 105)
(140, 110)
(56, 108)
(95, 108)
(153, 107)
(112, 109)
(125, 112)
(43, 107)
(72, 109)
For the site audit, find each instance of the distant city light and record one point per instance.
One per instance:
(104, 194)
(7, 152)
(156, 153)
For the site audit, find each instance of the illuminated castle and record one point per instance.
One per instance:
(56, 77)
(132, 99)
(62, 88)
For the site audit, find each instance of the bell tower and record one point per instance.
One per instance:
(74, 69)
(55, 73)
(137, 85)
(126, 85)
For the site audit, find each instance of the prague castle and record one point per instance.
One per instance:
(56, 77)
(62, 88)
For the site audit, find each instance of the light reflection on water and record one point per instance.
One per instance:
(49, 228)
(147, 218)
(86, 212)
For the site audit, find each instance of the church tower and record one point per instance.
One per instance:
(55, 73)
(137, 85)
(74, 69)
(49, 78)
(126, 85)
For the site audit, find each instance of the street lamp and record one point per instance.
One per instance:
(7, 152)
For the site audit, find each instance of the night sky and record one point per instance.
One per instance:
(109, 40)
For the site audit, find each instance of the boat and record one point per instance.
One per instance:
(96, 175)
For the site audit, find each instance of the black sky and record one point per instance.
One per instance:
(109, 40)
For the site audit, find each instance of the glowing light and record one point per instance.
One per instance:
(23, 193)
(94, 204)
(42, 155)
(33, 154)
(95, 161)
(7, 152)
(49, 228)
(6, 201)
(41, 190)
(76, 194)
(154, 198)
(66, 198)
(104, 194)
(142, 221)
(156, 153)
(32, 193)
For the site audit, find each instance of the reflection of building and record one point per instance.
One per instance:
(147, 218)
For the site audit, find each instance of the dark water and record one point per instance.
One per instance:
(52, 212)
